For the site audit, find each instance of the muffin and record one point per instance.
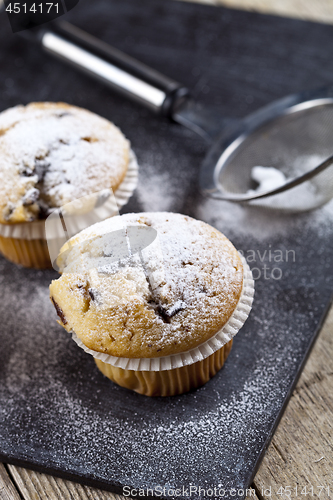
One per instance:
(156, 298)
(52, 154)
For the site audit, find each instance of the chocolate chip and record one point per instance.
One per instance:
(44, 209)
(60, 312)
(26, 172)
(8, 211)
(159, 310)
(30, 197)
(41, 167)
(163, 313)
(167, 314)
(94, 295)
(65, 113)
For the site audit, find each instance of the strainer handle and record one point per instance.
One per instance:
(119, 71)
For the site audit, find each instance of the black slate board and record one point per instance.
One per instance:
(58, 414)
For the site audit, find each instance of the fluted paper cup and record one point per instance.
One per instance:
(178, 373)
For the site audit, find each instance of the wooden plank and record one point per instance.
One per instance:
(301, 452)
(320, 10)
(37, 486)
(252, 496)
(7, 489)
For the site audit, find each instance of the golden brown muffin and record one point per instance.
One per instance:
(53, 153)
(155, 297)
(154, 308)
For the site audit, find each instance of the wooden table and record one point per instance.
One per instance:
(301, 453)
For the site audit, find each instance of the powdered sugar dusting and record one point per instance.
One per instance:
(54, 153)
(80, 415)
(260, 223)
(57, 409)
(158, 191)
(186, 283)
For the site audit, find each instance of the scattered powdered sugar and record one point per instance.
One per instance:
(158, 191)
(56, 408)
(308, 204)
(261, 223)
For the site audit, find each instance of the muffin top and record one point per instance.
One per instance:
(147, 285)
(53, 153)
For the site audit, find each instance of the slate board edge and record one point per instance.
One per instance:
(69, 476)
(289, 394)
(118, 489)
(115, 488)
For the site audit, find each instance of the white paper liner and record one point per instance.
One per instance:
(222, 337)
(36, 229)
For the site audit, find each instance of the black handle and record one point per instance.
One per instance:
(121, 72)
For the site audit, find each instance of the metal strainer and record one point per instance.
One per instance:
(294, 134)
